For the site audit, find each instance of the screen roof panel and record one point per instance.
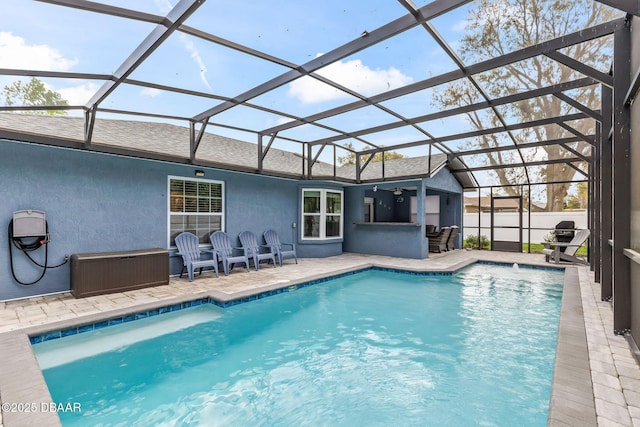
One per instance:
(284, 29)
(360, 73)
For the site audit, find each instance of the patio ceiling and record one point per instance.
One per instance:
(327, 80)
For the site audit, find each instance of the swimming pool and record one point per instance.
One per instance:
(374, 348)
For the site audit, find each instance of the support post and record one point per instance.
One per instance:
(606, 213)
(594, 207)
(621, 187)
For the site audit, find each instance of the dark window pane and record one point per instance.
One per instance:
(311, 202)
(190, 188)
(215, 223)
(177, 203)
(216, 190)
(216, 205)
(204, 205)
(191, 222)
(204, 189)
(177, 221)
(173, 234)
(191, 204)
(333, 226)
(176, 186)
(334, 202)
(311, 226)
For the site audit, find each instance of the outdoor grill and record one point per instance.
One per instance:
(564, 231)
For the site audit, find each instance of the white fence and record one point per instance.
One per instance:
(542, 223)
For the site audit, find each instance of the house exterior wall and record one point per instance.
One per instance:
(102, 203)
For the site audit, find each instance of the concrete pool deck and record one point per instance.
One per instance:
(596, 377)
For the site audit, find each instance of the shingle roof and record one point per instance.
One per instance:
(172, 140)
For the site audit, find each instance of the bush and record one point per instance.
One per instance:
(472, 242)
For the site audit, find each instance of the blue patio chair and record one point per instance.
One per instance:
(256, 251)
(272, 239)
(189, 250)
(227, 254)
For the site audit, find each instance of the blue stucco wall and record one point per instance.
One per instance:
(102, 203)
(382, 239)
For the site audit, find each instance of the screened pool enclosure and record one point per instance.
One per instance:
(523, 100)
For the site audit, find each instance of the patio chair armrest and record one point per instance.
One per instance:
(219, 253)
(243, 250)
(293, 245)
(213, 252)
(183, 256)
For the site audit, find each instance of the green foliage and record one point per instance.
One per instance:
(350, 158)
(472, 242)
(498, 27)
(538, 247)
(34, 93)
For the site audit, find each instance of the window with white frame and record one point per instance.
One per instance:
(321, 214)
(196, 206)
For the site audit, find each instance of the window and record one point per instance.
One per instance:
(431, 210)
(369, 209)
(321, 214)
(196, 206)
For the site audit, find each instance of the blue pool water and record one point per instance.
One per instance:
(373, 348)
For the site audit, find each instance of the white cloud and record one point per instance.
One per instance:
(351, 74)
(283, 120)
(165, 7)
(460, 26)
(195, 55)
(150, 92)
(79, 95)
(16, 53)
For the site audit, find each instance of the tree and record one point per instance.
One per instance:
(496, 27)
(34, 93)
(350, 158)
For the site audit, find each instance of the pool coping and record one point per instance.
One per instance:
(21, 380)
